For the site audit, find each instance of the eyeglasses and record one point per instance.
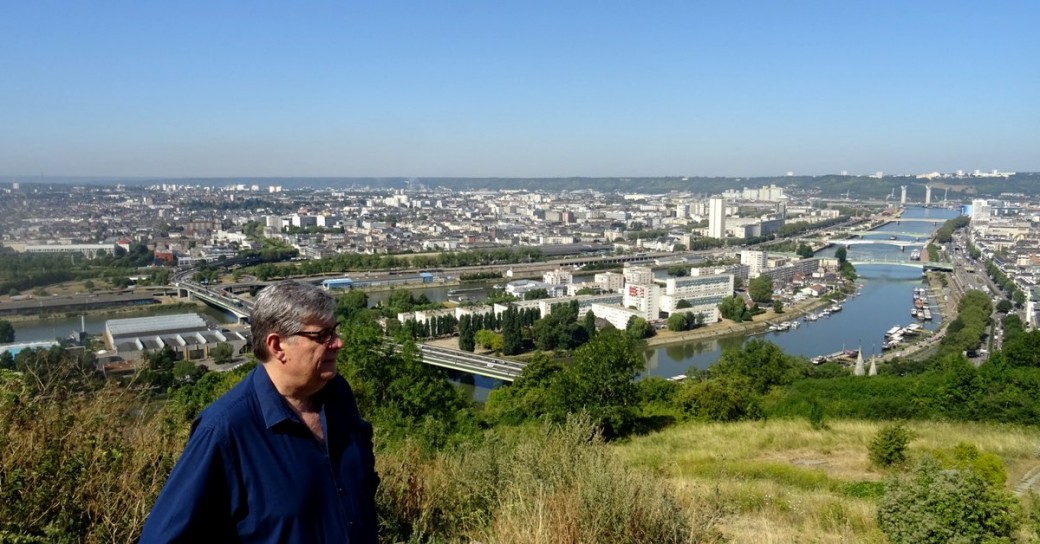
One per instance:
(323, 337)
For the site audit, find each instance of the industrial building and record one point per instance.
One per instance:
(187, 334)
(403, 279)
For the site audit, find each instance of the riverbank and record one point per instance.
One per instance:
(164, 302)
(760, 323)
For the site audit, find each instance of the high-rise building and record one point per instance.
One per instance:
(639, 275)
(717, 218)
(756, 261)
(902, 195)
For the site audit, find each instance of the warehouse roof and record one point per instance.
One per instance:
(159, 324)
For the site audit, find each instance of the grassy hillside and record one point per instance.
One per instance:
(780, 481)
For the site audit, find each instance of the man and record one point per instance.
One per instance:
(284, 456)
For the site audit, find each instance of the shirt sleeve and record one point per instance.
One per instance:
(194, 505)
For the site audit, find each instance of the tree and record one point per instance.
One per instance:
(763, 363)
(804, 251)
(727, 398)
(761, 289)
(187, 372)
(841, 254)
(489, 339)
(683, 304)
(88, 285)
(600, 381)
(678, 270)
(6, 332)
(467, 333)
(638, 328)
(536, 294)
(889, 446)
(1004, 306)
(684, 321)
(222, 353)
(733, 308)
(590, 324)
(512, 333)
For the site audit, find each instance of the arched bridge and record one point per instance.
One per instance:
(926, 266)
(901, 244)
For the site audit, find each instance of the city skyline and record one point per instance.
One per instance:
(539, 89)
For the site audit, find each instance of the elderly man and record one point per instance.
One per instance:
(284, 456)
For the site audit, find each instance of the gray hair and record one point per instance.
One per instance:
(284, 308)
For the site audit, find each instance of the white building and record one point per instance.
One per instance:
(518, 288)
(304, 221)
(559, 276)
(704, 293)
(757, 261)
(645, 299)
(90, 250)
(640, 275)
(610, 281)
(717, 218)
(980, 211)
(617, 316)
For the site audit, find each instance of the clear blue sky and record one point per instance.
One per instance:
(517, 87)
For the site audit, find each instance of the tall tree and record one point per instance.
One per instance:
(512, 335)
(601, 380)
(761, 289)
(466, 333)
(6, 332)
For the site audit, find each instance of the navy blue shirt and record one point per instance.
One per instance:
(253, 472)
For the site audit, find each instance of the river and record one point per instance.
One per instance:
(61, 327)
(884, 301)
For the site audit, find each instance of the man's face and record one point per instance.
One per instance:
(310, 356)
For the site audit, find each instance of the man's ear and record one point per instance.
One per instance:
(274, 346)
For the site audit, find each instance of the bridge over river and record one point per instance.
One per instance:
(219, 299)
(923, 265)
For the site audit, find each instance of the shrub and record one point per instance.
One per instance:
(889, 446)
(816, 420)
(933, 505)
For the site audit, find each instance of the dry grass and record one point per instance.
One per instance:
(76, 466)
(557, 484)
(782, 481)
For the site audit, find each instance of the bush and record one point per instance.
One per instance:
(933, 505)
(816, 420)
(889, 446)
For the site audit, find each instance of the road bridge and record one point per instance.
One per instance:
(898, 220)
(925, 266)
(241, 309)
(901, 244)
(864, 233)
(472, 363)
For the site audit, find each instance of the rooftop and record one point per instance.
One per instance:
(142, 325)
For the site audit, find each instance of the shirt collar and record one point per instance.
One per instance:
(272, 405)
